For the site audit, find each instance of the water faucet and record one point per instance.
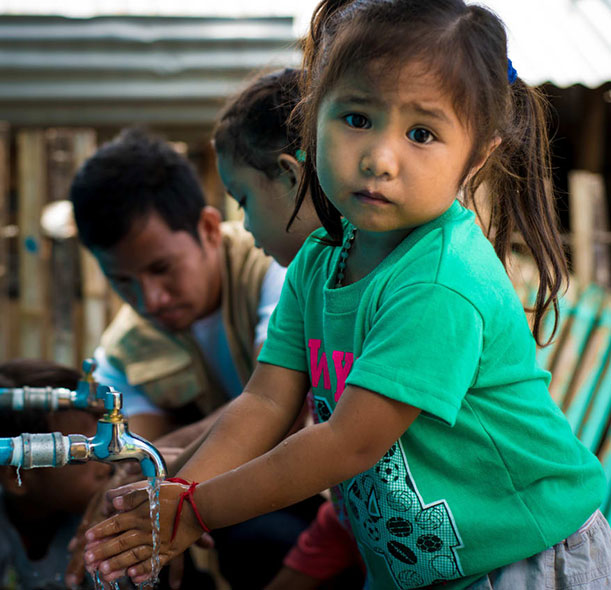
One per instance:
(112, 442)
(54, 398)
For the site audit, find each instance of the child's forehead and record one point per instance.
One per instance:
(378, 85)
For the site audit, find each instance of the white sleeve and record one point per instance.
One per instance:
(135, 401)
(270, 294)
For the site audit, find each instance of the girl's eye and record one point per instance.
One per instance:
(357, 121)
(420, 135)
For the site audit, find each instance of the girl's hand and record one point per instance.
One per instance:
(123, 544)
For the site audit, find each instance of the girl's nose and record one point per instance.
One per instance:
(380, 161)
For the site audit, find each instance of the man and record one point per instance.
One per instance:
(198, 299)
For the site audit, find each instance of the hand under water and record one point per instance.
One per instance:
(123, 544)
(100, 507)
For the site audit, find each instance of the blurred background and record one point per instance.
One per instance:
(74, 72)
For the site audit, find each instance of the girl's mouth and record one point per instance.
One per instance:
(371, 197)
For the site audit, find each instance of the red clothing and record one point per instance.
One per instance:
(325, 548)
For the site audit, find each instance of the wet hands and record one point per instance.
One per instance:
(97, 510)
(123, 544)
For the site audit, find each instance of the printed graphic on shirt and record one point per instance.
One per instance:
(416, 542)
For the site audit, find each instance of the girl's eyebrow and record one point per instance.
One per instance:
(358, 99)
(427, 111)
(419, 108)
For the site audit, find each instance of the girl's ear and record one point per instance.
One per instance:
(291, 168)
(494, 143)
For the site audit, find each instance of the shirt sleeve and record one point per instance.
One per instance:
(270, 294)
(423, 348)
(135, 401)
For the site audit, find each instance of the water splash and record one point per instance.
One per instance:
(19, 482)
(153, 492)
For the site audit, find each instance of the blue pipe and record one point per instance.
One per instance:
(6, 451)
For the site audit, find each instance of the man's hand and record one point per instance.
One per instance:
(123, 544)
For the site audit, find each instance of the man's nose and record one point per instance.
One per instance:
(153, 295)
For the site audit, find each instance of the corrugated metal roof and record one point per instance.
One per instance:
(119, 70)
(564, 42)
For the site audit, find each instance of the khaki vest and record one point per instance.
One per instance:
(169, 367)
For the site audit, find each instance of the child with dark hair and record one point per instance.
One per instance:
(260, 163)
(456, 467)
(40, 509)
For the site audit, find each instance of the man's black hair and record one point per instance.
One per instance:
(34, 373)
(128, 178)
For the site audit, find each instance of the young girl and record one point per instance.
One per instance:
(258, 158)
(455, 465)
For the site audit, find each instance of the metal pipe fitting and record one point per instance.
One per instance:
(40, 450)
(112, 442)
(41, 398)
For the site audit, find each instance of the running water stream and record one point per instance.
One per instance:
(153, 492)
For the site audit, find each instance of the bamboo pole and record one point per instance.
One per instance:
(62, 340)
(588, 220)
(32, 190)
(95, 290)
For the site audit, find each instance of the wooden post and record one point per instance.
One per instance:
(95, 290)
(63, 160)
(32, 191)
(4, 294)
(588, 220)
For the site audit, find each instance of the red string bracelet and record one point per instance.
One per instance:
(188, 494)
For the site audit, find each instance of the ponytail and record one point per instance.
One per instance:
(518, 177)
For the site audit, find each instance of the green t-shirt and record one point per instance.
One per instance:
(490, 472)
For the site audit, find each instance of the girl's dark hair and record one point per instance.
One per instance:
(254, 127)
(465, 47)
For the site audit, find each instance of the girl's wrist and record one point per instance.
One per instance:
(188, 514)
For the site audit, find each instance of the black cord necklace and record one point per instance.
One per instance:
(343, 256)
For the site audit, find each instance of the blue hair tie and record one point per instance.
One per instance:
(511, 72)
(300, 155)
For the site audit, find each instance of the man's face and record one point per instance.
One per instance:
(167, 276)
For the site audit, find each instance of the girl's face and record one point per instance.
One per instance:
(390, 157)
(268, 205)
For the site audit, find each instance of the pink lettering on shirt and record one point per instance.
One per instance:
(316, 368)
(342, 370)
